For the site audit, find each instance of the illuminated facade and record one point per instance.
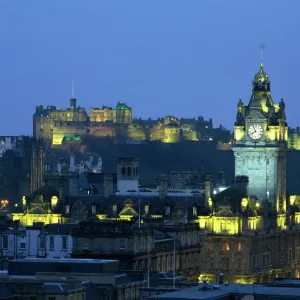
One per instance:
(40, 206)
(59, 125)
(261, 136)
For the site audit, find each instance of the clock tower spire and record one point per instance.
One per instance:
(260, 144)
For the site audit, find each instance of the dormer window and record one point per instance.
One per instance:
(93, 209)
(147, 209)
(195, 212)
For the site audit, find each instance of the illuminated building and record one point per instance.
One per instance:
(42, 205)
(60, 125)
(261, 136)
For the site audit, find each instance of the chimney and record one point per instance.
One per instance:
(221, 179)
(241, 183)
(163, 187)
(108, 185)
(72, 163)
(91, 162)
(208, 188)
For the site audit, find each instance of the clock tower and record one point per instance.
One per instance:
(260, 144)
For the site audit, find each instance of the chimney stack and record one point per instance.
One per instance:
(163, 187)
(108, 185)
(208, 188)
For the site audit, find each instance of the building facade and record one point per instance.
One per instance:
(261, 136)
(59, 126)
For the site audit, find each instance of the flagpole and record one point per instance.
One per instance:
(139, 212)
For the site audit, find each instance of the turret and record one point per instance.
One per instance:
(72, 103)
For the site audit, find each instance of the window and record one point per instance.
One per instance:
(225, 246)
(122, 244)
(64, 242)
(67, 209)
(238, 264)
(5, 241)
(51, 298)
(212, 264)
(22, 245)
(146, 209)
(195, 210)
(239, 246)
(115, 209)
(42, 242)
(93, 209)
(225, 264)
(51, 242)
(211, 246)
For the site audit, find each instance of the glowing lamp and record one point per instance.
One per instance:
(292, 200)
(244, 202)
(54, 201)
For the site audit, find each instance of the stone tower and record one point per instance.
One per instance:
(261, 134)
(127, 174)
(37, 165)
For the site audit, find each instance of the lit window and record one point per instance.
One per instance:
(239, 246)
(195, 211)
(225, 246)
(146, 209)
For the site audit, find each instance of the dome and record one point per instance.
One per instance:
(230, 197)
(46, 191)
(261, 81)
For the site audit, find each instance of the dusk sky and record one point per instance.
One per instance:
(162, 57)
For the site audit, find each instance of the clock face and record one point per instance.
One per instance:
(255, 132)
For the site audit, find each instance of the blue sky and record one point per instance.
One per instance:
(186, 58)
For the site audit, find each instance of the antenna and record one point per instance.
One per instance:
(262, 47)
(72, 88)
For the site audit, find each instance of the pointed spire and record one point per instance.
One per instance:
(73, 91)
(262, 47)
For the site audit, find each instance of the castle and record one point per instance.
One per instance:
(62, 125)
(248, 232)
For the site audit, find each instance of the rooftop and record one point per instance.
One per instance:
(67, 260)
(233, 289)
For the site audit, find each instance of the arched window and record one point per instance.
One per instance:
(123, 170)
(129, 171)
